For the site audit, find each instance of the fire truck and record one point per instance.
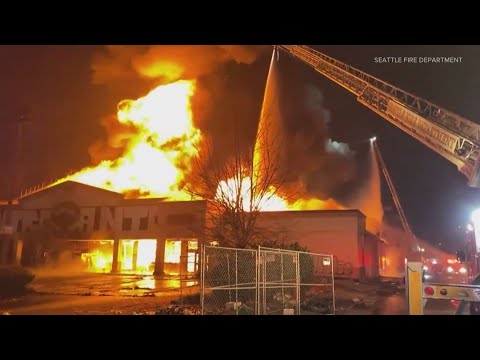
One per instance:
(452, 136)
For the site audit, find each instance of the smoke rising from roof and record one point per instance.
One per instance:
(166, 63)
(317, 164)
(368, 197)
(132, 71)
(226, 110)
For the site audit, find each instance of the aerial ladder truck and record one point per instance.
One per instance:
(452, 136)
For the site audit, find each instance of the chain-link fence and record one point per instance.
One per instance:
(228, 281)
(187, 279)
(278, 282)
(266, 281)
(317, 285)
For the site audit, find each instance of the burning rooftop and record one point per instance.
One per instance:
(158, 143)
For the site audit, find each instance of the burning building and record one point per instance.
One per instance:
(129, 212)
(83, 228)
(342, 233)
(90, 229)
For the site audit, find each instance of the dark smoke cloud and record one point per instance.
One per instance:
(114, 64)
(318, 165)
(114, 145)
(227, 108)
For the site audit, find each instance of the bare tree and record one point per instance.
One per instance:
(240, 187)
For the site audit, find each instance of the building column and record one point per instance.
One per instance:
(160, 258)
(116, 249)
(135, 255)
(362, 271)
(11, 250)
(18, 251)
(184, 258)
(4, 245)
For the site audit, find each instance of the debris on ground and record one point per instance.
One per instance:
(244, 310)
(318, 306)
(359, 303)
(178, 310)
(354, 296)
(187, 299)
(388, 288)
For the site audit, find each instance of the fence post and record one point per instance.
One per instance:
(257, 282)
(236, 281)
(333, 285)
(414, 288)
(299, 281)
(202, 278)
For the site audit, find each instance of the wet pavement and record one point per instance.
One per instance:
(83, 305)
(110, 285)
(135, 294)
(95, 294)
(397, 305)
(391, 305)
(383, 299)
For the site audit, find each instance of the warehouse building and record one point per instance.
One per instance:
(92, 229)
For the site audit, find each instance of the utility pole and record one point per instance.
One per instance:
(18, 167)
(11, 247)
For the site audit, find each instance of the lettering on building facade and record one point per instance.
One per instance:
(69, 220)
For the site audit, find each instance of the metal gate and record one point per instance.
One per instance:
(279, 282)
(266, 281)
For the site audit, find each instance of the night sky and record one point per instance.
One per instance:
(54, 84)
(435, 196)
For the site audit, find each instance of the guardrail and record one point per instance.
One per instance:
(418, 292)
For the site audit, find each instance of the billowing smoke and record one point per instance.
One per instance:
(320, 167)
(166, 63)
(227, 107)
(131, 71)
(317, 165)
(368, 198)
(112, 147)
(337, 147)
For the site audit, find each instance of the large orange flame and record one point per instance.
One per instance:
(234, 189)
(158, 155)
